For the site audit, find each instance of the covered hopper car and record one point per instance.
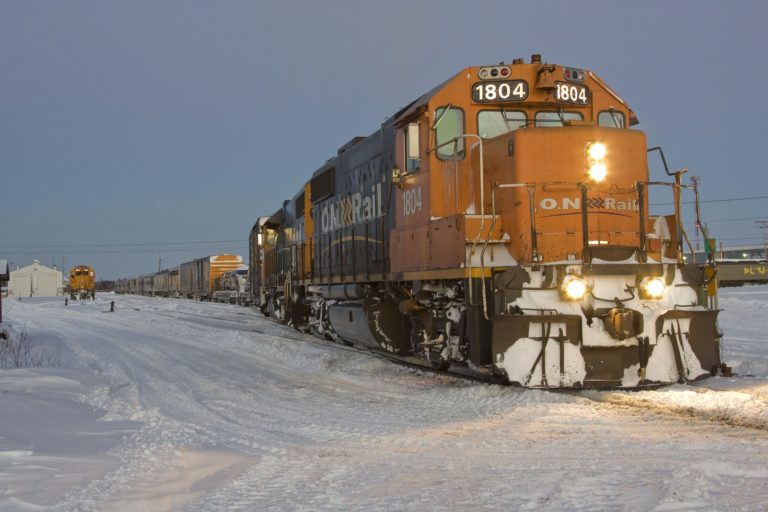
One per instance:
(499, 222)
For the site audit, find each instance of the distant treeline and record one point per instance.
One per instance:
(105, 286)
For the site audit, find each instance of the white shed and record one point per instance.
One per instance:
(35, 280)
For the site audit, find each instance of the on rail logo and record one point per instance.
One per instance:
(593, 203)
(352, 209)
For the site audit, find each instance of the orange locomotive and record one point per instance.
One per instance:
(82, 283)
(498, 222)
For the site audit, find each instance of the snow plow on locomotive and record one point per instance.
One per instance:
(498, 222)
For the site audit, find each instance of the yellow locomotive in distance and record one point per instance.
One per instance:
(82, 283)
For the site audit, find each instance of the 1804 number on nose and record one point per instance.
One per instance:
(571, 93)
(509, 90)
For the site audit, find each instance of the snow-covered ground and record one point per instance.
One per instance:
(177, 405)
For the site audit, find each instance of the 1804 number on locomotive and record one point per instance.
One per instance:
(412, 201)
(491, 92)
(571, 93)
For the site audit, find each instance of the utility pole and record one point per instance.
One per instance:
(764, 226)
(159, 261)
(695, 180)
(3, 280)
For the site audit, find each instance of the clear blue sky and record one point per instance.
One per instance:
(132, 129)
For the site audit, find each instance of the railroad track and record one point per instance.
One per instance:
(646, 400)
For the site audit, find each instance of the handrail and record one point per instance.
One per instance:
(682, 236)
(454, 141)
(531, 188)
(479, 142)
(586, 255)
(641, 210)
(640, 188)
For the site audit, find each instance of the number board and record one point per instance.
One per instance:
(571, 93)
(494, 92)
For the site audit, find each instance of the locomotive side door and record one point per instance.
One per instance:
(409, 246)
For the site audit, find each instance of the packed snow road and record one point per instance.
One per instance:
(170, 405)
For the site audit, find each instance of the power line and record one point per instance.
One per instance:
(128, 244)
(122, 251)
(734, 220)
(732, 199)
(732, 239)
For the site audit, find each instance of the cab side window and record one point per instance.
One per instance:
(449, 124)
(412, 158)
(611, 119)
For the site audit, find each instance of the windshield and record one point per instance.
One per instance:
(611, 119)
(491, 123)
(551, 118)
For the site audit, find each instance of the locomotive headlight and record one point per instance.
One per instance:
(597, 172)
(573, 288)
(652, 288)
(596, 169)
(596, 150)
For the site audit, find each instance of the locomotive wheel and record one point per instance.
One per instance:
(440, 366)
(298, 311)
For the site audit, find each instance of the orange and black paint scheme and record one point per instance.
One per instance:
(499, 222)
(82, 283)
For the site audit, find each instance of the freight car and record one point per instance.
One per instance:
(166, 283)
(232, 287)
(82, 283)
(740, 272)
(499, 222)
(196, 277)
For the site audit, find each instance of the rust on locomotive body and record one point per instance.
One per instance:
(498, 222)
